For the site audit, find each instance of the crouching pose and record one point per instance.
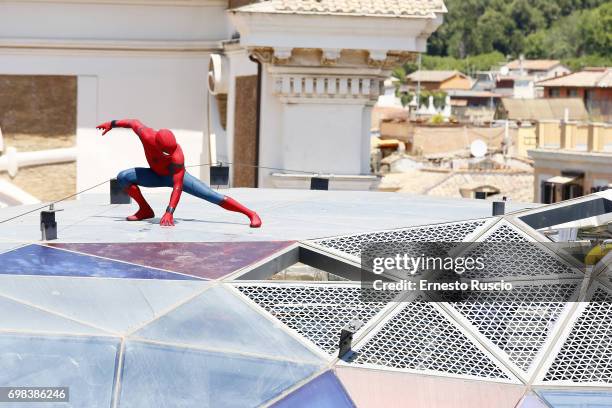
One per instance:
(167, 169)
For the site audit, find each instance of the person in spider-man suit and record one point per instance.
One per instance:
(167, 169)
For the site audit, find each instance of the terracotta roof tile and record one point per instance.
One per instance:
(535, 65)
(589, 78)
(434, 76)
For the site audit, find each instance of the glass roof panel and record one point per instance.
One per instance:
(160, 376)
(203, 259)
(43, 260)
(577, 399)
(86, 365)
(325, 391)
(19, 317)
(117, 305)
(218, 319)
(531, 401)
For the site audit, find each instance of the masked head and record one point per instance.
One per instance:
(165, 141)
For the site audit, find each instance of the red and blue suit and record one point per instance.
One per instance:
(166, 169)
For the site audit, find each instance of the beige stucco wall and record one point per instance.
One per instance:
(571, 135)
(526, 140)
(549, 133)
(551, 163)
(442, 139)
(581, 136)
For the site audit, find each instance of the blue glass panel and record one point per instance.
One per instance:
(325, 391)
(218, 319)
(531, 401)
(577, 399)
(86, 365)
(159, 376)
(15, 316)
(116, 305)
(43, 260)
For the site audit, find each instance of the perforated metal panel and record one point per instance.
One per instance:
(504, 232)
(350, 245)
(586, 354)
(315, 311)
(518, 322)
(511, 253)
(420, 337)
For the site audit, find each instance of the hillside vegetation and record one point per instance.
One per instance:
(479, 33)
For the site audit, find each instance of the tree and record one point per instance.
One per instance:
(494, 31)
(537, 28)
(535, 45)
(595, 30)
(526, 17)
(400, 75)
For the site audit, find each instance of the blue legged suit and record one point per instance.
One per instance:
(145, 177)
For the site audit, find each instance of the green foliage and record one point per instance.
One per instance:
(537, 28)
(467, 65)
(576, 64)
(439, 97)
(437, 119)
(400, 74)
(405, 97)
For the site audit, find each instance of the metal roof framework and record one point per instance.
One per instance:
(553, 346)
(570, 326)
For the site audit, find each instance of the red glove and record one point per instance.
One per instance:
(167, 220)
(106, 126)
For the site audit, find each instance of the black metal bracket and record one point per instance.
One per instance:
(219, 175)
(48, 225)
(118, 194)
(319, 183)
(346, 339)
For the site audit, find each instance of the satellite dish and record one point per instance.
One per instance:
(504, 70)
(478, 148)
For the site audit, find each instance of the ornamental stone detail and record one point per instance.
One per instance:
(307, 86)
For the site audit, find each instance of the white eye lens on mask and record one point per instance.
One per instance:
(165, 154)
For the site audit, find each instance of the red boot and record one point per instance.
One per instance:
(230, 204)
(145, 211)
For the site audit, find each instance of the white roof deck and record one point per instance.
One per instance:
(286, 215)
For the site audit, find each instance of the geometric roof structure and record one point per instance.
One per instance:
(128, 322)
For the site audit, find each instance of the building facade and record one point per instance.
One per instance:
(291, 84)
(440, 80)
(592, 85)
(571, 159)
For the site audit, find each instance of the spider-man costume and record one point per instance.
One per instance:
(167, 169)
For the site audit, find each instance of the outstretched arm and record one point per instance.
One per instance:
(178, 170)
(134, 124)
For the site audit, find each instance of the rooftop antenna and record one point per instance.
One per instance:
(478, 148)
(418, 90)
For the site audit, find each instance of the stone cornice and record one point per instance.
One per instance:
(561, 159)
(334, 32)
(165, 3)
(326, 57)
(107, 45)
